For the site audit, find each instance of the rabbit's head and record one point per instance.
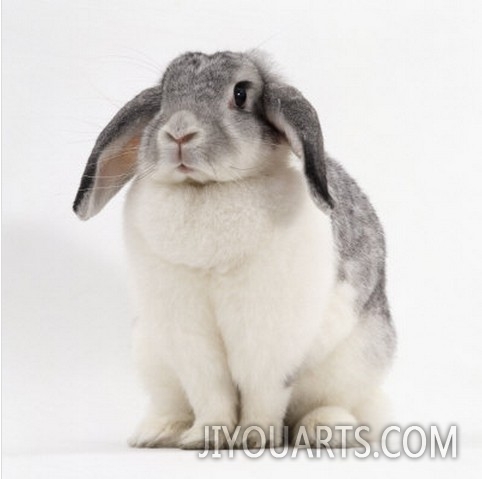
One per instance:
(212, 118)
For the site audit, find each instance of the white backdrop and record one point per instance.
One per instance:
(398, 89)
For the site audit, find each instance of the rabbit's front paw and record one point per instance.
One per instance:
(205, 437)
(160, 431)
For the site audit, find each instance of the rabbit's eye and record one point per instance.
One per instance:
(240, 94)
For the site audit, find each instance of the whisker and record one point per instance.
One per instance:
(245, 169)
(136, 62)
(123, 175)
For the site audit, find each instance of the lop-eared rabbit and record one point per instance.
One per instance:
(258, 262)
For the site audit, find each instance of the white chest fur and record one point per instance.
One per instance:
(215, 225)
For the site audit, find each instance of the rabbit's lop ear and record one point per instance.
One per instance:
(289, 111)
(113, 160)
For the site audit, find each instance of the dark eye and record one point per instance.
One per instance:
(240, 94)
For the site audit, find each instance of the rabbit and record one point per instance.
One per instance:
(258, 263)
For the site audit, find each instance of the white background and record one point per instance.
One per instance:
(398, 89)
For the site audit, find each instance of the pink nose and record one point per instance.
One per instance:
(182, 139)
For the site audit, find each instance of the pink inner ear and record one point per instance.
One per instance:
(117, 166)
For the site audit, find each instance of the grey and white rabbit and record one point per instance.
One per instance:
(259, 263)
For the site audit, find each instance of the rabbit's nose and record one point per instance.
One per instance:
(181, 139)
(181, 128)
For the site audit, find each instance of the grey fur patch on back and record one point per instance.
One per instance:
(360, 241)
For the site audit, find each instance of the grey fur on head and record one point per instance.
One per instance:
(196, 82)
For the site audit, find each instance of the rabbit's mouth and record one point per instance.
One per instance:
(185, 169)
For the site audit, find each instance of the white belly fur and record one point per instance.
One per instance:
(240, 276)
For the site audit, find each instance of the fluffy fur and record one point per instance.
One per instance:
(260, 277)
